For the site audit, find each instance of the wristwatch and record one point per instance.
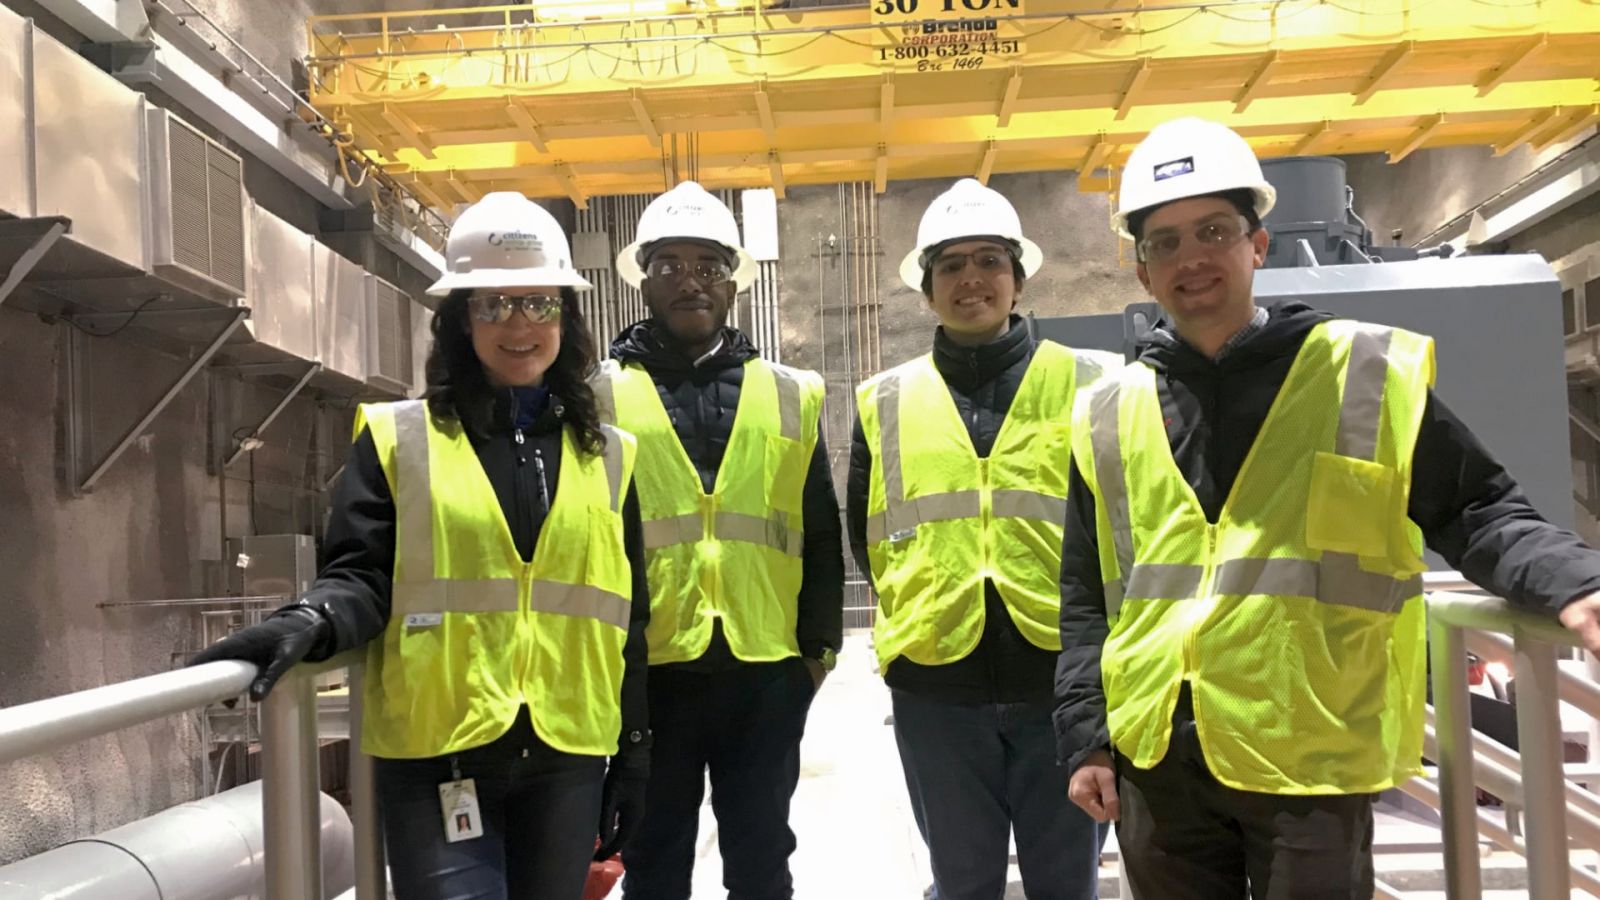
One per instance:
(828, 659)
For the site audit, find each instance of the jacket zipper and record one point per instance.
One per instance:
(519, 487)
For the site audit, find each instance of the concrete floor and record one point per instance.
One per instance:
(851, 814)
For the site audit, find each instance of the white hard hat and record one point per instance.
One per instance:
(1189, 158)
(506, 240)
(688, 212)
(968, 210)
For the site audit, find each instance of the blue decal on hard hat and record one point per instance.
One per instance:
(1175, 168)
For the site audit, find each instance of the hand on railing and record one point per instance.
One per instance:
(1582, 617)
(276, 645)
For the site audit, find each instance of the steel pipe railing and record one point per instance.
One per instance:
(289, 747)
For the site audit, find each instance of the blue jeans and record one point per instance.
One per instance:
(977, 773)
(541, 815)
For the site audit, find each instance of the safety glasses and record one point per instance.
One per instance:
(493, 309)
(705, 271)
(1214, 234)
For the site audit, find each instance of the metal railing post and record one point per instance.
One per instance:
(291, 805)
(371, 882)
(1458, 797)
(1543, 776)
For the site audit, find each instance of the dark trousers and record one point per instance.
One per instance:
(1185, 836)
(541, 815)
(744, 725)
(978, 773)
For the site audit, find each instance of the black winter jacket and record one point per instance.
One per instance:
(701, 397)
(353, 589)
(1005, 667)
(1470, 510)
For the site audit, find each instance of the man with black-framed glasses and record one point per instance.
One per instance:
(743, 547)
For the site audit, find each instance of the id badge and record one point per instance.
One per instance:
(458, 801)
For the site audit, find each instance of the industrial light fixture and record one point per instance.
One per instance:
(251, 444)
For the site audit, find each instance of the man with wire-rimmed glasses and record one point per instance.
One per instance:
(743, 550)
(1241, 608)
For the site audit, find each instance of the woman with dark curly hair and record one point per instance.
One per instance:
(485, 547)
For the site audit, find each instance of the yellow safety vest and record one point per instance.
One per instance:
(733, 554)
(941, 521)
(1297, 618)
(475, 632)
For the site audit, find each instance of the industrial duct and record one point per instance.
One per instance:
(209, 849)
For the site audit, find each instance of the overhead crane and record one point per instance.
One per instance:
(615, 97)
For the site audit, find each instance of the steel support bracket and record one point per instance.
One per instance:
(31, 256)
(132, 434)
(240, 442)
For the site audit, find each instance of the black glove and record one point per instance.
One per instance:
(285, 638)
(622, 801)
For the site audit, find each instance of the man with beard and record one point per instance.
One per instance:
(743, 551)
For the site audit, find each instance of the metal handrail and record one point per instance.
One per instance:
(289, 776)
(1543, 779)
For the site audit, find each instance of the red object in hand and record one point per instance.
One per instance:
(1475, 671)
(603, 876)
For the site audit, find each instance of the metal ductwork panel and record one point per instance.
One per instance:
(341, 305)
(89, 152)
(196, 208)
(283, 299)
(421, 345)
(16, 124)
(205, 850)
(389, 336)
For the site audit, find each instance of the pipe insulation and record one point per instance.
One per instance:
(210, 849)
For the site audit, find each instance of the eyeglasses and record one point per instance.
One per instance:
(989, 262)
(493, 309)
(1163, 244)
(704, 271)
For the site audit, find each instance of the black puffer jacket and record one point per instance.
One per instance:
(701, 397)
(353, 589)
(1470, 511)
(1005, 667)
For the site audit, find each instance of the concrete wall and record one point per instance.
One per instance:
(152, 529)
(1431, 187)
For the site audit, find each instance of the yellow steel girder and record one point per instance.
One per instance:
(786, 97)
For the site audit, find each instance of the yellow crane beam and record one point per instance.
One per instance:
(785, 97)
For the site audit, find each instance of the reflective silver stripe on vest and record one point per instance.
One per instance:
(1086, 372)
(660, 533)
(420, 591)
(413, 495)
(1105, 415)
(613, 459)
(487, 595)
(902, 518)
(894, 491)
(689, 529)
(1337, 579)
(1018, 504)
(605, 395)
(1164, 581)
(580, 601)
(788, 403)
(1361, 409)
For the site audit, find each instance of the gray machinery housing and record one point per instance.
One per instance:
(1314, 221)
